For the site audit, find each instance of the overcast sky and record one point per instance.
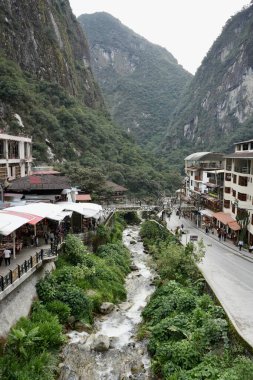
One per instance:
(186, 28)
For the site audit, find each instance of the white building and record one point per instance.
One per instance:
(205, 171)
(238, 186)
(15, 156)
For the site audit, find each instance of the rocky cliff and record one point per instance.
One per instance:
(45, 39)
(47, 91)
(217, 107)
(141, 82)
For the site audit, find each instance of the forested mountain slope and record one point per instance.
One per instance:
(47, 91)
(141, 82)
(217, 106)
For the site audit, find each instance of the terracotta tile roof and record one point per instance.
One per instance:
(43, 182)
(83, 197)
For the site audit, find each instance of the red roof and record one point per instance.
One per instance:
(83, 197)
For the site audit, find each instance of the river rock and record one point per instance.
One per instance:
(137, 367)
(106, 307)
(132, 242)
(134, 267)
(81, 326)
(101, 343)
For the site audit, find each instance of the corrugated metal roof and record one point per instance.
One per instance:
(246, 154)
(207, 156)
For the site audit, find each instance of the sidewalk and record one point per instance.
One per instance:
(191, 229)
(25, 254)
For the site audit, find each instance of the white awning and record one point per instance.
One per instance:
(10, 223)
(207, 212)
(88, 210)
(12, 218)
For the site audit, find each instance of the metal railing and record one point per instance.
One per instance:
(20, 270)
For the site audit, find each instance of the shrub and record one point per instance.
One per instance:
(60, 309)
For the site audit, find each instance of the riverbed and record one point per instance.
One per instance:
(126, 358)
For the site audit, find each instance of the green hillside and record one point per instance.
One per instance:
(141, 82)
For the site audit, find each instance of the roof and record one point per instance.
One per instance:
(114, 187)
(243, 142)
(83, 197)
(246, 154)
(207, 156)
(12, 218)
(227, 219)
(39, 182)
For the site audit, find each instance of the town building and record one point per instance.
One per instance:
(238, 186)
(15, 156)
(205, 175)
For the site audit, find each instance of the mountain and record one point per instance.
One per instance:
(216, 108)
(141, 82)
(47, 91)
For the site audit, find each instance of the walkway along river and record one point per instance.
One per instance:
(126, 358)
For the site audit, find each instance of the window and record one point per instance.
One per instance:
(234, 178)
(229, 164)
(243, 181)
(238, 147)
(226, 203)
(234, 193)
(233, 208)
(2, 150)
(13, 149)
(228, 177)
(242, 197)
(245, 146)
(227, 190)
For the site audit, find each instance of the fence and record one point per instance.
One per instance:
(23, 268)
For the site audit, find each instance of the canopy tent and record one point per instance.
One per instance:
(88, 210)
(9, 223)
(12, 218)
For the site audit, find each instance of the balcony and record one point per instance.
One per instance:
(197, 178)
(243, 181)
(197, 189)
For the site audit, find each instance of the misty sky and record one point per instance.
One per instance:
(186, 28)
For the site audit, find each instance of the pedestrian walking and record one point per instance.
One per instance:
(240, 245)
(7, 256)
(225, 235)
(219, 235)
(207, 229)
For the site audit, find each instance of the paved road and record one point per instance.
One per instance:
(229, 273)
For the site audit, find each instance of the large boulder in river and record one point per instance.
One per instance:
(101, 343)
(133, 267)
(106, 307)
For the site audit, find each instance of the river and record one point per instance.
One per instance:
(126, 357)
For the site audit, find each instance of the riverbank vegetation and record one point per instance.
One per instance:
(189, 335)
(68, 298)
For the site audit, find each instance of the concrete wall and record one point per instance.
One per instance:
(17, 303)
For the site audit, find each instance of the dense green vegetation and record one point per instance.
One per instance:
(189, 335)
(90, 146)
(141, 82)
(69, 295)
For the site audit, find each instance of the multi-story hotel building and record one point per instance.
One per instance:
(238, 185)
(205, 173)
(15, 156)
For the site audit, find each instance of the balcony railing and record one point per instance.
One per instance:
(20, 270)
(242, 169)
